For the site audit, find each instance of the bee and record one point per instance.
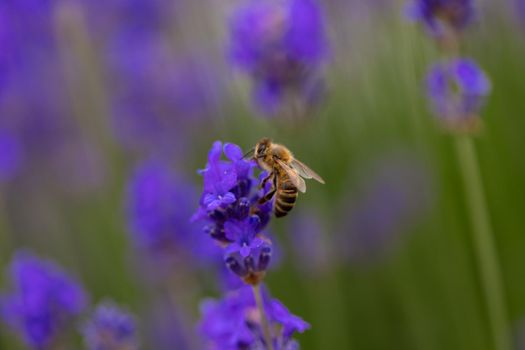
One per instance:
(285, 172)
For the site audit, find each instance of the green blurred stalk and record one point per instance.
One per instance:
(484, 248)
(6, 244)
(264, 319)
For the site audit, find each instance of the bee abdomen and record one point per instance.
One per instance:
(285, 201)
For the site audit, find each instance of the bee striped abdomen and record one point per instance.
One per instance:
(285, 198)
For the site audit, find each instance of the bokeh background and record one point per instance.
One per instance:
(380, 257)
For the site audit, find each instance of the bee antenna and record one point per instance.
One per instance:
(249, 154)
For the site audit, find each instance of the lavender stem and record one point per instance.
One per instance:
(5, 229)
(264, 320)
(483, 241)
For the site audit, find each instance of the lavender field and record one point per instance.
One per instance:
(148, 201)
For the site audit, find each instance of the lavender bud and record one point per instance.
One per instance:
(264, 258)
(234, 265)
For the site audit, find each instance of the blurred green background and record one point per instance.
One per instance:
(423, 290)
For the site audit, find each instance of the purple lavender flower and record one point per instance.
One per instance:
(282, 45)
(229, 205)
(219, 178)
(249, 254)
(28, 56)
(157, 91)
(43, 302)
(110, 328)
(10, 156)
(397, 193)
(234, 322)
(457, 90)
(37, 114)
(158, 208)
(439, 16)
(519, 9)
(313, 254)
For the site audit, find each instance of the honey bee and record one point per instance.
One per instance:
(285, 172)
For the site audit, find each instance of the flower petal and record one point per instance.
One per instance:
(228, 198)
(233, 229)
(245, 250)
(215, 153)
(233, 152)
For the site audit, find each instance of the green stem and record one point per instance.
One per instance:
(264, 320)
(5, 229)
(483, 242)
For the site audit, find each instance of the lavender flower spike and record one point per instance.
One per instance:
(11, 158)
(234, 323)
(440, 17)
(110, 328)
(457, 90)
(158, 208)
(45, 299)
(234, 218)
(282, 45)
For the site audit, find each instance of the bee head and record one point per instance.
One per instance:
(262, 147)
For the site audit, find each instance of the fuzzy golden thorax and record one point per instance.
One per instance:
(266, 152)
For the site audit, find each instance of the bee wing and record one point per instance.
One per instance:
(293, 175)
(305, 171)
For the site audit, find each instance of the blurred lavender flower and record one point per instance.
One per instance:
(234, 323)
(158, 95)
(38, 114)
(136, 15)
(519, 9)
(229, 204)
(282, 45)
(441, 16)
(44, 301)
(158, 208)
(30, 60)
(110, 328)
(157, 92)
(38, 31)
(397, 193)
(10, 156)
(457, 90)
(312, 250)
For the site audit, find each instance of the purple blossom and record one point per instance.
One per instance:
(249, 254)
(38, 115)
(10, 156)
(313, 254)
(282, 45)
(234, 218)
(43, 302)
(225, 182)
(158, 208)
(396, 194)
(157, 92)
(110, 328)
(440, 15)
(457, 90)
(234, 322)
(219, 178)
(519, 9)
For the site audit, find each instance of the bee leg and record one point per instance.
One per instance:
(267, 196)
(265, 180)
(270, 194)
